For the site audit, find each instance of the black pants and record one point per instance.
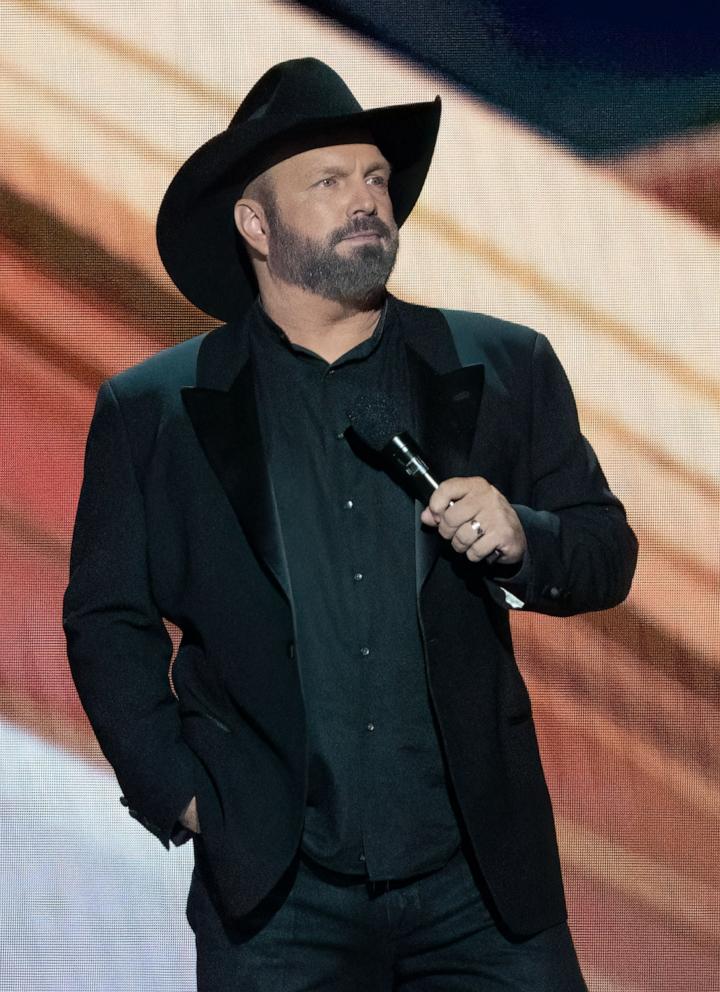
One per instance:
(431, 934)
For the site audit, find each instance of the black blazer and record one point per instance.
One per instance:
(176, 518)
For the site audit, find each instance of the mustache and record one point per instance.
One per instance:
(368, 225)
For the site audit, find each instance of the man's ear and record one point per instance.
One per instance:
(251, 222)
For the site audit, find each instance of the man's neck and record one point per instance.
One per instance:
(327, 327)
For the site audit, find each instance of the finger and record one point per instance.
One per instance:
(487, 549)
(479, 499)
(445, 529)
(480, 505)
(449, 491)
(467, 534)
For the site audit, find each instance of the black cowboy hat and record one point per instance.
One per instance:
(295, 105)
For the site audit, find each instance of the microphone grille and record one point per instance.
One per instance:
(375, 417)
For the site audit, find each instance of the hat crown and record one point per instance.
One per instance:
(294, 90)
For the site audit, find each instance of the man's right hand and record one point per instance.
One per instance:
(189, 817)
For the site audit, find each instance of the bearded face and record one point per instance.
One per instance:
(350, 264)
(329, 225)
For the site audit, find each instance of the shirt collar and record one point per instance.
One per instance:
(271, 332)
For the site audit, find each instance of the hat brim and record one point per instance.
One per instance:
(196, 234)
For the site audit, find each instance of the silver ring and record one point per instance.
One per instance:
(477, 527)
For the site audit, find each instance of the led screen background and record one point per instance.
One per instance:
(606, 240)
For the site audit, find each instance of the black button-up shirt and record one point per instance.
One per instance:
(378, 798)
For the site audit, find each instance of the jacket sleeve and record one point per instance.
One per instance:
(117, 645)
(581, 551)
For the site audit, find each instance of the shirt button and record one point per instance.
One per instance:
(371, 726)
(357, 576)
(331, 371)
(362, 857)
(348, 504)
(340, 435)
(365, 652)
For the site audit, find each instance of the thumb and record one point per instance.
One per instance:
(427, 517)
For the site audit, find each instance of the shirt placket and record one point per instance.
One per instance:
(342, 382)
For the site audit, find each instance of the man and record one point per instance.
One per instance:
(345, 735)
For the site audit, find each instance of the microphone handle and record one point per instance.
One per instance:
(406, 454)
(403, 450)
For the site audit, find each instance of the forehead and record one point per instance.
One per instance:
(339, 156)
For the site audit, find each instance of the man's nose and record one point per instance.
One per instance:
(361, 199)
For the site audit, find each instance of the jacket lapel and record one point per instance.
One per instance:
(446, 402)
(222, 407)
(223, 410)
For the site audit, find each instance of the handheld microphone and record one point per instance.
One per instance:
(377, 422)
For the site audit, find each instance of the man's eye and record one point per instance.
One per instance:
(378, 180)
(327, 181)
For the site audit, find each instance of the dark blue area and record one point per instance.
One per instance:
(601, 78)
(634, 38)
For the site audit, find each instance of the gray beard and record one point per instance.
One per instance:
(358, 278)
